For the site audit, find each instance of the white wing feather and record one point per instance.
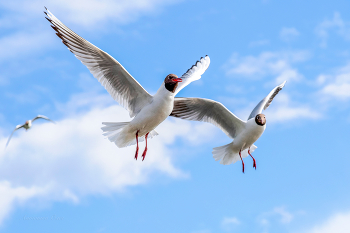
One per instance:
(17, 127)
(198, 109)
(194, 73)
(109, 72)
(265, 103)
(42, 117)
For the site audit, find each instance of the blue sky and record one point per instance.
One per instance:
(68, 178)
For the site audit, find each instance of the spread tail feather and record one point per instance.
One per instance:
(112, 131)
(227, 155)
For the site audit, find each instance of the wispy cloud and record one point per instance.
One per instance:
(289, 34)
(228, 223)
(285, 216)
(89, 14)
(277, 64)
(23, 44)
(335, 85)
(28, 34)
(284, 109)
(341, 27)
(12, 194)
(278, 213)
(339, 223)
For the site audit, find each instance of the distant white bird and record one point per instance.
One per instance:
(149, 111)
(243, 133)
(28, 125)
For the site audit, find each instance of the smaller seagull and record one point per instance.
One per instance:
(148, 111)
(28, 125)
(243, 133)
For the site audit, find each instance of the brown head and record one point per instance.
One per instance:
(260, 119)
(171, 82)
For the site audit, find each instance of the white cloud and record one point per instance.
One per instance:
(342, 28)
(340, 90)
(278, 64)
(11, 196)
(282, 109)
(286, 110)
(22, 44)
(90, 14)
(336, 85)
(229, 222)
(278, 213)
(339, 223)
(285, 216)
(289, 34)
(287, 113)
(71, 159)
(29, 35)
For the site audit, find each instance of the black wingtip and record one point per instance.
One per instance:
(45, 8)
(48, 19)
(59, 35)
(54, 28)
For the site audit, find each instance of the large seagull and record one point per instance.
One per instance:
(243, 133)
(148, 111)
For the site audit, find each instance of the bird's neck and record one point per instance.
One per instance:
(164, 92)
(254, 127)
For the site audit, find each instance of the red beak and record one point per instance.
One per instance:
(178, 80)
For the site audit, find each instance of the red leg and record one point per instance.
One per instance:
(254, 163)
(137, 144)
(242, 161)
(145, 151)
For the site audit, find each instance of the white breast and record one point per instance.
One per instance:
(154, 113)
(251, 133)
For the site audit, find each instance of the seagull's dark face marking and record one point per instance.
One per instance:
(171, 82)
(260, 119)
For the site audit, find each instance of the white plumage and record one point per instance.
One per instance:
(27, 125)
(243, 133)
(148, 111)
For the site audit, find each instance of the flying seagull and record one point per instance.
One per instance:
(28, 125)
(243, 133)
(148, 111)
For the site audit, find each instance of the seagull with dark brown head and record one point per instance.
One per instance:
(243, 133)
(27, 125)
(148, 111)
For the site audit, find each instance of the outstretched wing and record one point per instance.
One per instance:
(206, 110)
(42, 117)
(109, 72)
(194, 73)
(265, 103)
(17, 127)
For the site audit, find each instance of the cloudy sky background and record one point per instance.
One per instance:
(66, 177)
